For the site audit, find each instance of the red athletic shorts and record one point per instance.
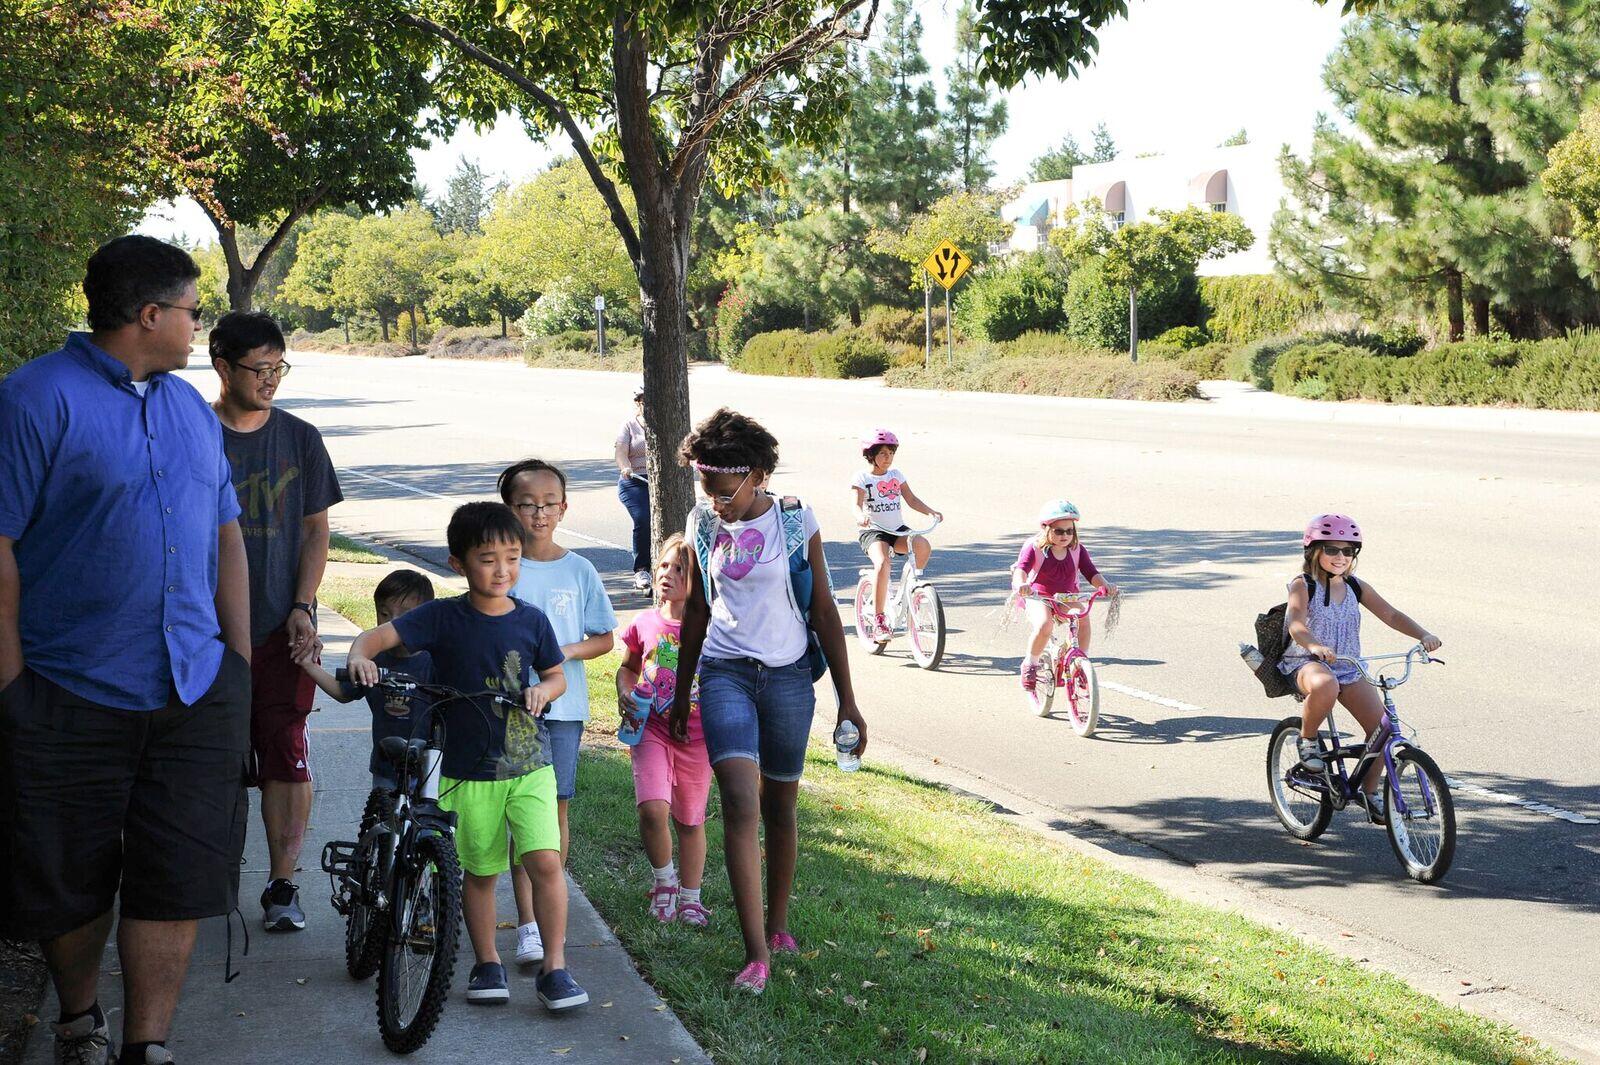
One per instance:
(281, 694)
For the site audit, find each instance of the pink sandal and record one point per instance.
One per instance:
(752, 979)
(782, 943)
(692, 913)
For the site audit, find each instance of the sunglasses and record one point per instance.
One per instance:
(1341, 552)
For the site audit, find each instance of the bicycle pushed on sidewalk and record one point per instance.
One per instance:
(398, 886)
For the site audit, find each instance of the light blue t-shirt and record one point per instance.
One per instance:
(569, 592)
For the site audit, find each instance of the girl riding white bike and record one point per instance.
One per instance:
(880, 490)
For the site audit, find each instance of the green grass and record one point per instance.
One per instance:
(343, 549)
(929, 925)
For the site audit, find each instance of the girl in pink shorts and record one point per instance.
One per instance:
(669, 778)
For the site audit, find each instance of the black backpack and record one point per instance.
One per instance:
(1272, 640)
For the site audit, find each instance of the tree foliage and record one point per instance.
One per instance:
(969, 220)
(975, 118)
(467, 200)
(1573, 181)
(392, 264)
(1431, 200)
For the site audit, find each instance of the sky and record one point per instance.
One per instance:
(1174, 75)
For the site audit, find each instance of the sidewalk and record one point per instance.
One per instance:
(294, 1002)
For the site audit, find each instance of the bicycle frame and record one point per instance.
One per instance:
(899, 604)
(1385, 741)
(1070, 608)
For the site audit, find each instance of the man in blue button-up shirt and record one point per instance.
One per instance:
(124, 644)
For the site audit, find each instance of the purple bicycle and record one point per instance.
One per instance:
(1418, 812)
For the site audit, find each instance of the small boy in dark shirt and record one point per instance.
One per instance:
(392, 715)
(497, 769)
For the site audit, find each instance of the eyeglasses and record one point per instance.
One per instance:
(194, 312)
(536, 509)
(264, 373)
(1340, 552)
(723, 501)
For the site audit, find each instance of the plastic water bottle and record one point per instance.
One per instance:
(1251, 656)
(631, 730)
(846, 738)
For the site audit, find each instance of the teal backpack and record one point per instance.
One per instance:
(705, 528)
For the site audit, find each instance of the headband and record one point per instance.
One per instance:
(703, 468)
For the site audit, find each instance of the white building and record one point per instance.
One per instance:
(1242, 179)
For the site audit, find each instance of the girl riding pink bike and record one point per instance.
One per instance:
(1050, 565)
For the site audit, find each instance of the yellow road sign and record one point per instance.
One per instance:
(947, 264)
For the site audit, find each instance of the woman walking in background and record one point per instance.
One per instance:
(633, 487)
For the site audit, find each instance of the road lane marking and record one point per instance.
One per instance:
(1465, 787)
(426, 494)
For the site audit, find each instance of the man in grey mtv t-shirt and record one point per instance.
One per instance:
(286, 484)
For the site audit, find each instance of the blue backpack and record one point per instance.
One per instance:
(705, 527)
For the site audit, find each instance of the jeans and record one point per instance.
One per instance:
(763, 713)
(635, 495)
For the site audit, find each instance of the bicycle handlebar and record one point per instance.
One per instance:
(875, 527)
(1077, 604)
(396, 681)
(1411, 656)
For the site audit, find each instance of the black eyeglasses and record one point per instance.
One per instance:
(1341, 552)
(537, 509)
(194, 312)
(276, 373)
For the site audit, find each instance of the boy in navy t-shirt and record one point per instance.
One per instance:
(392, 715)
(497, 768)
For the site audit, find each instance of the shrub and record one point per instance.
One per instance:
(1251, 307)
(1254, 362)
(1097, 313)
(1003, 302)
(740, 317)
(473, 342)
(1046, 345)
(1101, 377)
(795, 353)
(1207, 362)
(567, 306)
(1183, 337)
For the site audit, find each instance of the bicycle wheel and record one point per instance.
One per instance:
(420, 958)
(364, 929)
(1300, 800)
(866, 625)
(1044, 689)
(1083, 697)
(1424, 838)
(927, 626)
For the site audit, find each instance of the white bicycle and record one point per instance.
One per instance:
(914, 607)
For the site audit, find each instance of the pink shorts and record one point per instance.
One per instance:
(667, 771)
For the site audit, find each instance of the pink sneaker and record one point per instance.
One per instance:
(664, 902)
(752, 979)
(885, 630)
(782, 943)
(1030, 675)
(692, 913)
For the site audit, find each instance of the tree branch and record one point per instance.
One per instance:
(812, 40)
(558, 110)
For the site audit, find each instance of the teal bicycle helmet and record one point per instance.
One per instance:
(1056, 510)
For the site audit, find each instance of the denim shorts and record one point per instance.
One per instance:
(763, 713)
(565, 738)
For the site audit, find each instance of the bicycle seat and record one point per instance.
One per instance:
(393, 748)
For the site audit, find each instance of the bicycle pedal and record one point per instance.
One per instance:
(339, 858)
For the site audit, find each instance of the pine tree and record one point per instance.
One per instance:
(466, 202)
(1058, 163)
(1105, 149)
(1433, 199)
(975, 117)
(901, 159)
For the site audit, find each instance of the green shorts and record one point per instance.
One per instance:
(484, 808)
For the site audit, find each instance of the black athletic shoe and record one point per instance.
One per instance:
(280, 905)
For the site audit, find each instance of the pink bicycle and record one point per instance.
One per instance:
(1066, 667)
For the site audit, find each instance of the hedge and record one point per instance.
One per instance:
(1097, 313)
(795, 353)
(1250, 307)
(1003, 302)
(1560, 374)
(1090, 376)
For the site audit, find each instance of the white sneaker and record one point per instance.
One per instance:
(641, 580)
(530, 947)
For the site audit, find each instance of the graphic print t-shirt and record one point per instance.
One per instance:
(883, 498)
(657, 640)
(282, 473)
(398, 715)
(472, 652)
(751, 615)
(571, 595)
(1056, 576)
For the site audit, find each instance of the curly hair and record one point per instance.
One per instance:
(729, 439)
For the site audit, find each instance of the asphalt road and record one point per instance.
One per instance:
(1482, 534)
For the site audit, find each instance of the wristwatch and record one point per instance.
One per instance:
(308, 608)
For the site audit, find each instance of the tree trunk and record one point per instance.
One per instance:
(347, 329)
(413, 311)
(663, 269)
(1480, 315)
(1133, 323)
(503, 326)
(241, 280)
(383, 325)
(1452, 303)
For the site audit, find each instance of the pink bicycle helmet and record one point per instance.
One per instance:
(879, 438)
(1332, 527)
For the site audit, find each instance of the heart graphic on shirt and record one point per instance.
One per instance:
(739, 557)
(889, 488)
